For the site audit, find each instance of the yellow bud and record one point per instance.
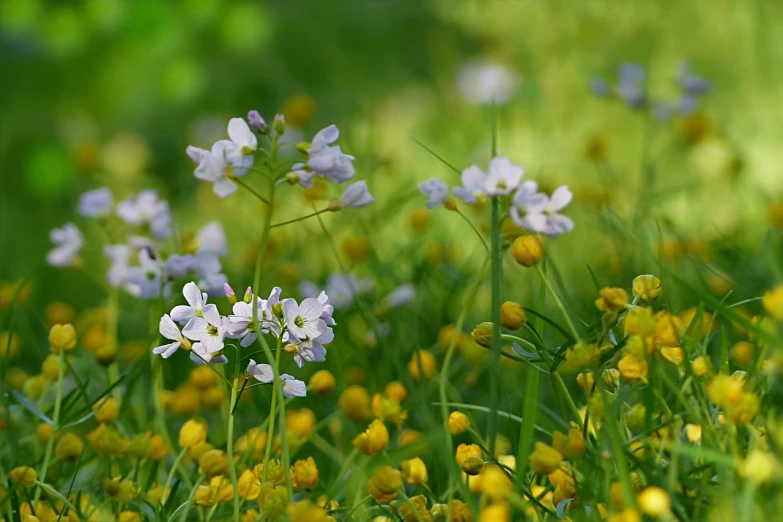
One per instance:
(385, 484)
(570, 445)
(322, 382)
(306, 511)
(465, 451)
(422, 363)
(512, 315)
(373, 440)
(495, 513)
(742, 353)
(528, 250)
(24, 475)
(414, 471)
(249, 486)
(107, 411)
(585, 381)
(396, 390)
(484, 334)
(701, 366)
(611, 299)
(640, 321)
(760, 467)
(632, 368)
(213, 463)
(654, 501)
(415, 509)
(773, 302)
(51, 367)
(304, 474)
(62, 338)
(647, 288)
(693, 433)
(202, 377)
(69, 447)
(472, 465)
(544, 459)
(300, 423)
(129, 516)
(354, 402)
(458, 423)
(192, 434)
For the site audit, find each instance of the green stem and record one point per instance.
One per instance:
(283, 431)
(230, 445)
(520, 340)
(528, 425)
(496, 345)
(252, 191)
(55, 424)
(308, 216)
(114, 369)
(271, 431)
(174, 467)
(558, 302)
(444, 378)
(49, 489)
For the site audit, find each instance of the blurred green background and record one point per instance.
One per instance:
(106, 92)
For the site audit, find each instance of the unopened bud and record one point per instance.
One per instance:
(335, 206)
(291, 348)
(256, 121)
(528, 250)
(450, 204)
(303, 146)
(230, 295)
(248, 297)
(473, 465)
(483, 334)
(279, 124)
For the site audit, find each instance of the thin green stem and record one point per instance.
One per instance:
(558, 302)
(283, 431)
(528, 425)
(55, 424)
(174, 467)
(230, 444)
(49, 489)
(253, 191)
(271, 431)
(308, 216)
(496, 341)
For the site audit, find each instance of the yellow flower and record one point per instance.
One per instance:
(632, 368)
(306, 511)
(495, 513)
(106, 440)
(385, 484)
(742, 353)
(693, 433)
(202, 377)
(300, 422)
(759, 467)
(275, 473)
(773, 302)
(570, 445)
(157, 448)
(647, 288)
(129, 516)
(354, 402)
(422, 363)
(585, 381)
(414, 471)
(415, 509)
(304, 474)
(673, 354)
(396, 390)
(273, 500)
(544, 459)
(249, 485)
(512, 315)
(465, 451)
(121, 489)
(24, 475)
(528, 250)
(408, 437)
(254, 441)
(213, 463)
(106, 411)
(51, 367)
(322, 382)
(639, 321)
(654, 501)
(611, 299)
(69, 447)
(373, 440)
(458, 423)
(701, 366)
(62, 338)
(192, 434)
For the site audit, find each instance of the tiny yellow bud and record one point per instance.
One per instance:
(106, 411)
(528, 250)
(213, 463)
(424, 361)
(24, 475)
(773, 302)
(472, 465)
(701, 366)
(62, 338)
(465, 451)
(484, 334)
(354, 402)
(373, 440)
(611, 299)
(458, 423)
(322, 382)
(647, 288)
(512, 315)
(69, 447)
(654, 501)
(192, 434)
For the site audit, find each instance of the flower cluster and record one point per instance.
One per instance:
(529, 208)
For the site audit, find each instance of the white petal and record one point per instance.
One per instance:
(224, 187)
(167, 350)
(473, 178)
(168, 329)
(211, 314)
(310, 309)
(193, 295)
(560, 198)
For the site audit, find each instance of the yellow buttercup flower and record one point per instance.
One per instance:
(512, 315)
(304, 474)
(422, 364)
(354, 402)
(528, 250)
(385, 484)
(62, 338)
(414, 471)
(611, 299)
(458, 423)
(773, 302)
(322, 382)
(544, 459)
(373, 440)
(647, 288)
(192, 434)
(654, 501)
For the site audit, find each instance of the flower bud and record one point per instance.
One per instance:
(570, 445)
(483, 334)
(279, 124)
(647, 288)
(256, 121)
(528, 250)
(304, 474)
(422, 362)
(472, 465)
(192, 434)
(608, 320)
(512, 315)
(385, 483)
(107, 411)
(544, 459)
(24, 475)
(635, 417)
(465, 451)
(701, 366)
(611, 299)
(354, 402)
(632, 368)
(62, 338)
(414, 471)
(230, 295)
(248, 297)
(373, 440)
(69, 447)
(458, 423)
(213, 463)
(654, 501)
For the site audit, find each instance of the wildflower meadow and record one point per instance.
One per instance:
(437, 261)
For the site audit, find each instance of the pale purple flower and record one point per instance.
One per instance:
(600, 87)
(144, 281)
(293, 387)
(216, 169)
(256, 121)
(356, 195)
(300, 175)
(177, 266)
(473, 183)
(631, 84)
(68, 241)
(96, 203)
(330, 162)
(212, 238)
(197, 301)
(196, 154)
(342, 288)
(310, 350)
(304, 320)
(540, 214)
(147, 208)
(503, 178)
(400, 296)
(240, 151)
(241, 323)
(200, 355)
(436, 191)
(692, 84)
(170, 331)
(209, 329)
(261, 372)
(119, 256)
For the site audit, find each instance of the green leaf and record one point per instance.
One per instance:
(30, 407)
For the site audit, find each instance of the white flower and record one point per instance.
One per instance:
(329, 161)
(210, 329)
(241, 323)
(200, 355)
(483, 83)
(310, 350)
(436, 191)
(177, 267)
(170, 330)
(147, 208)
(119, 255)
(261, 372)
(240, 151)
(212, 238)
(400, 296)
(473, 180)
(299, 174)
(196, 299)
(69, 241)
(215, 168)
(355, 195)
(304, 320)
(196, 154)
(96, 203)
(342, 288)
(503, 178)
(323, 138)
(539, 213)
(144, 281)
(292, 387)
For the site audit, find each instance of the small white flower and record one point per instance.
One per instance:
(210, 329)
(483, 83)
(304, 320)
(299, 174)
(400, 296)
(310, 350)
(356, 195)
(144, 281)
(539, 213)
(329, 161)
(147, 208)
(96, 203)
(196, 299)
(261, 372)
(170, 330)
(119, 255)
(503, 178)
(323, 138)
(69, 241)
(212, 238)
(216, 169)
(242, 148)
(241, 323)
(436, 191)
(293, 387)
(177, 267)
(473, 180)
(200, 355)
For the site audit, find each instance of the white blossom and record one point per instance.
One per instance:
(68, 241)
